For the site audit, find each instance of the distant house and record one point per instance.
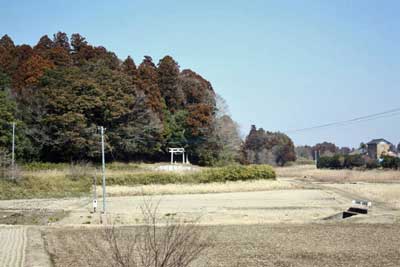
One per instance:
(378, 147)
(359, 151)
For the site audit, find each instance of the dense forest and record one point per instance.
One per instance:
(62, 89)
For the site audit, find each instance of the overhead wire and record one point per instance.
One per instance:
(375, 116)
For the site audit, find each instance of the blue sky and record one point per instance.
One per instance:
(281, 65)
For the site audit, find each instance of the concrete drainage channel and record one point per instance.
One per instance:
(358, 207)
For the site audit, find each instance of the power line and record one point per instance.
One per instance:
(380, 115)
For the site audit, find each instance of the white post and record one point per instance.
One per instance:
(183, 157)
(95, 193)
(103, 168)
(172, 157)
(13, 152)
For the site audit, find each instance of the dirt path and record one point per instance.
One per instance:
(12, 245)
(36, 252)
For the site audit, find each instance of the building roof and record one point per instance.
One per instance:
(377, 141)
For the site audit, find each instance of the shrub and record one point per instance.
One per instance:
(351, 161)
(371, 163)
(356, 161)
(389, 162)
(145, 178)
(329, 162)
(237, 173)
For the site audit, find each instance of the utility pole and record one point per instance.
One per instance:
(13, 152)
(103, 161)
(316, 158)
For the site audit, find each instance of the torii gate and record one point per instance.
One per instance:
(176, 150)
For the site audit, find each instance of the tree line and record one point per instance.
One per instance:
(62, 89)
(328, 149)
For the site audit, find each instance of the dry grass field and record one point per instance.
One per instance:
(387, 194)
(338, 176)
(255, 246)
(176, 189)
(379, 186)
(278, 222)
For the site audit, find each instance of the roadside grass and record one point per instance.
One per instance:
(64, 180)
(43, 187)
(338, 176)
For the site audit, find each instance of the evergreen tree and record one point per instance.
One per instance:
(130, 69)
(168, 72)
(263, 147)
(148, 84)
(8, 59)
(7, 42)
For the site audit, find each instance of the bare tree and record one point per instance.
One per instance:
(226, 132)
(222, 107)
(158, 243)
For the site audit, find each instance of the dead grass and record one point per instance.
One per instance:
(159, 242)
(260, 245)
(338, 176)
(174, 189)
(63, 180)
(387, 193)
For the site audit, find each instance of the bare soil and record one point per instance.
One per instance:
(12, 244)
(31, 217)
(257, 245)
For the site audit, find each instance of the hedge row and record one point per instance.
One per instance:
(357, 161)
(223, 174)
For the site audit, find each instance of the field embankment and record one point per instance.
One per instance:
(63, 180)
